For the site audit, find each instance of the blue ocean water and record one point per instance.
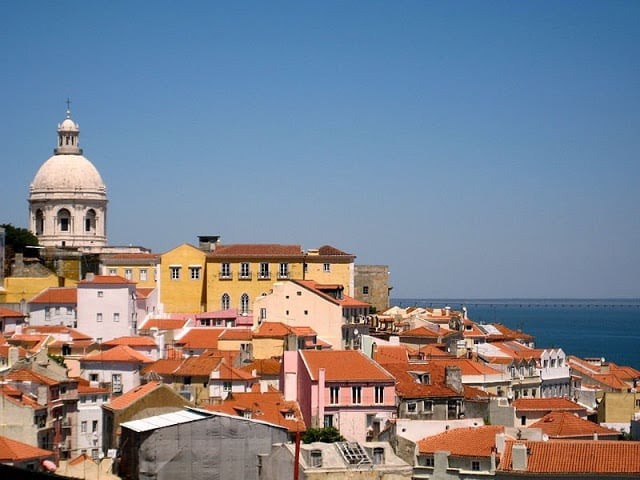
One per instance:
(586, 328)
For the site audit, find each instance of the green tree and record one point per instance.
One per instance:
(325, 435)
(18, 239)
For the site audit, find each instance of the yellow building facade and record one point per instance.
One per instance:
(141, 268)
(182, 280)
(234, 275)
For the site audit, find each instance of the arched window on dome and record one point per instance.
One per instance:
(244, 303)
(39, 222)
(225, 302)
(64, 220)
(90, 221)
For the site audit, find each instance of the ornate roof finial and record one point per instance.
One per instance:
(68, 108)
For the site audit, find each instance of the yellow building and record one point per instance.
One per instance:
(236, 274)
(182, 280)
(140, 267)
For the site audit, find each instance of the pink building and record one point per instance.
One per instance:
(342, 389)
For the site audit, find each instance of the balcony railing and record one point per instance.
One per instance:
(244, 276)
(225, 276)
(264, 276)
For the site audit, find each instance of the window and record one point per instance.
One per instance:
(194, 272)
(553, 363)
(428, 461)
(264, 270)
(116, 383)
(143, 274)
(128, 273)
(356, 395)
(334, 395)
(328, 421)
(378, 455)
(94, 426)
(326, 267)
(379, 394)
(428, 405)
(283, 271)
(113, 271)
(98, 317)
(175, 272)
(83, 426)
(64, 220)
(116, 317)
(225, 301)
(100, 294)
(226, 386)
(93, 377)
(245, 271)
(412, 407)
(475, 465)
(225, 270)
(316, 458)
(365, 290)
(47, 313)
(57, 310)
(263, 313)
(244, 303)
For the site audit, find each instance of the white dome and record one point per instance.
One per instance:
(68, 172)
(68, 125)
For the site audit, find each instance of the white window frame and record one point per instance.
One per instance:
(326, 267)
(194, 272)
(174, 272)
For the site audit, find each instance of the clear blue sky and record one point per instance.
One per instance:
(480, 149)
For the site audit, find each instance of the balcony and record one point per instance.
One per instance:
(225, 276)
(264, 276)
(244, 276)
(283, 275)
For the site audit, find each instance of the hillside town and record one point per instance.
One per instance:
(272, 361)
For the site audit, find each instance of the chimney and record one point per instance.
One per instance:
(18, 265)
(441, 461)
(14, 356)
(519, 457)
(90, 277)
(453, 377)
(500, 443)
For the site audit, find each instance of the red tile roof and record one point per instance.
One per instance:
(424, 332)
(164, 323)
(74, 334)
(408, 386)
(200, 338)
(28, 375)
(132, 341)
(343, 365)
(564, 457)
(15, 396)
(264, 367)
(236, 334)
(8, 313)
(329, 251)
(57, 295)
(546, 404)
(144, 292)
(164, 367)
(128, 398)
(4, 351)
(256, 250)
(121, 353)
(463, 442)
(106, 280)
(268, 407)
(568, 425)
(131, 256)
(345, 301)
(14, 451)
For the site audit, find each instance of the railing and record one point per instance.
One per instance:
(244, 276)
(225, 276)
(264, 276)
(283, 275)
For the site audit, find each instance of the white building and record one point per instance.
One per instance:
(89, 429)
(68, 199)
(54, 306)
(107, 307)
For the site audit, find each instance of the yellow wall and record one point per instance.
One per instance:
(267, 347)
(25, 288)
(184, 294)
(340, 273)
(618, 407)
(150, 282)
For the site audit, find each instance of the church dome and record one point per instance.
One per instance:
(68, 173)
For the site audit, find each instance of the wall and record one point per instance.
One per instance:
(183, 295)
(376, 278)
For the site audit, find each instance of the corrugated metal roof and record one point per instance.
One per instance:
(165, 420)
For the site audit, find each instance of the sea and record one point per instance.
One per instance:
(587, 328)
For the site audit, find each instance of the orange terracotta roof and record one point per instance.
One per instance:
(106, 280)
(328, 251)
(164, 323)
(121, 353)
(132, 341)
(476, 394)
(75, 335)
(13, 451)
(236, 334)
(390, 354)
(131, 256)
(200, 366)
(144, 292)
(272, 329)
(234, 374)
(565, 424)
(4, 351)
(509, 334)
(408, 386)
(128, 398)
(163, 366)
(343, 365)
(8, 313)
(546, 404)
(564, 457)
(423, 332)
(256, 250)
(15, 396)
(28, 375)
(59, 295)
(468, 366)
(268, 407)
(200, 338)
(345, 301)
(264, 367)
(463, 442)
